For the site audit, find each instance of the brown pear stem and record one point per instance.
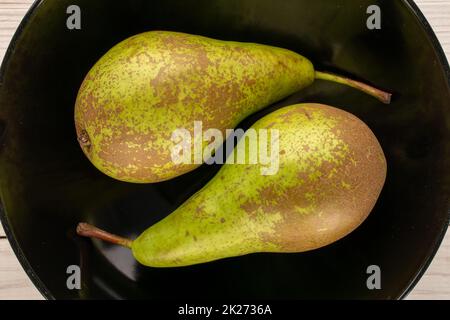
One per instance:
(90, 231)
(381, 95)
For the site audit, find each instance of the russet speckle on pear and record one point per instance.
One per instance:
(331, 172)
(151, 84)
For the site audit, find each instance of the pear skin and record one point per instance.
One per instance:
(331, 172)
(151, 84)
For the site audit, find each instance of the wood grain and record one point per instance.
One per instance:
(435, 284)
(11, 13)
(14, 284)
(437, 13)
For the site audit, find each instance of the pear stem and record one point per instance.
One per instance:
(383, 96)
(90, 231)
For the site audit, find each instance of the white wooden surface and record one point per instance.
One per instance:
(14, 284)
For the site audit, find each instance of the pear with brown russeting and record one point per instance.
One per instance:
(151, 84)
(331, 172)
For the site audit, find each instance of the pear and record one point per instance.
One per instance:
(151, 84)
(331, 172)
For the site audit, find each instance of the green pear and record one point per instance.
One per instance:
(331, 172)
(151, 84)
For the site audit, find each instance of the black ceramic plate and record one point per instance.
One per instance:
(47, 185)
